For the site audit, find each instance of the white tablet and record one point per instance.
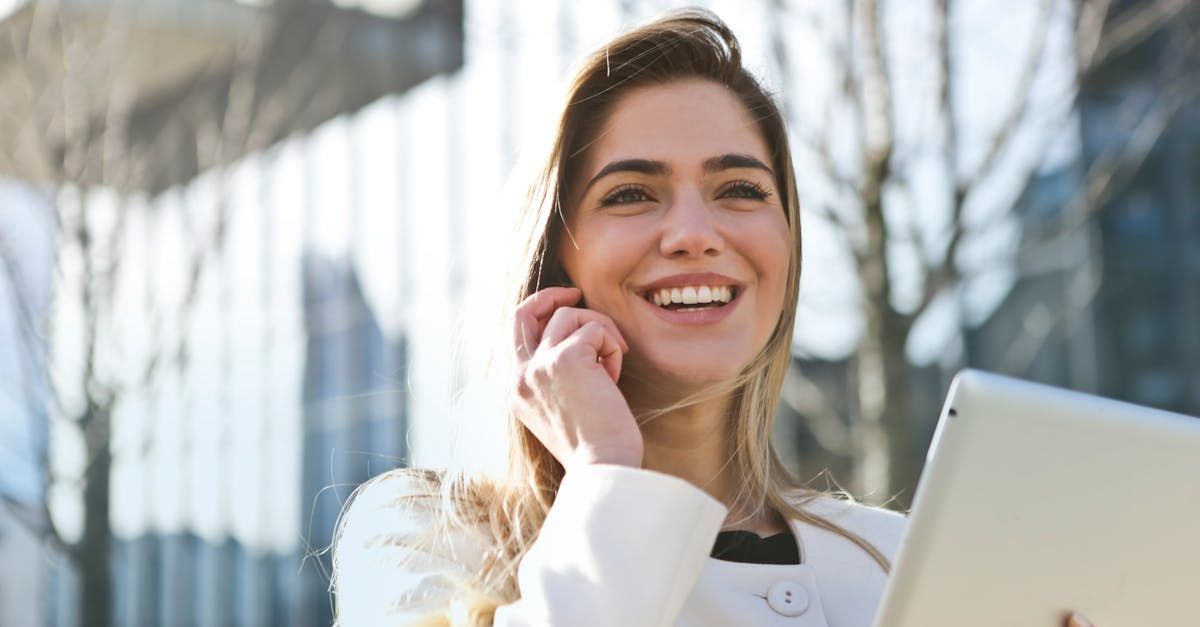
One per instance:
(1035, 501)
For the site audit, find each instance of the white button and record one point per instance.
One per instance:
(788, 598)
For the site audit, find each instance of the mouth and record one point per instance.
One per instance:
(692, 297)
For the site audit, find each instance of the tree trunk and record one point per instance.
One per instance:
(886, 419)
(92, 553)
(901, 419)
(874, 464)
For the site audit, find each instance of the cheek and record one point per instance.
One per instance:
(771, 250)
(599, 258)
(772, 255)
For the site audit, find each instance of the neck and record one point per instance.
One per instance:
(693, 443)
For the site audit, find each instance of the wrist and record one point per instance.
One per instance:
(616, 457)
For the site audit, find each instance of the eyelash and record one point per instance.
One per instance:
(612, 197)
(754, 191)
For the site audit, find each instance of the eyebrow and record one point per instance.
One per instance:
(729, 161)
(658, 168)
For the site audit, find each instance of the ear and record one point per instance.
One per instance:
(562, 278)
(565, 281)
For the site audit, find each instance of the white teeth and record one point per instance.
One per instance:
(692, 295)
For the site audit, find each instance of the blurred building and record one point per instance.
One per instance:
(1109, 296)
(229, 471)
(325, 341)
(1148, 308)
(355, 413)
(25, 271)
(1105, 298)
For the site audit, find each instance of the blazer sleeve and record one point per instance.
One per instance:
(620, 547)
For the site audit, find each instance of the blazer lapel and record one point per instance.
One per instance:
(851, 581)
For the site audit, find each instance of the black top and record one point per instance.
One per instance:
(750, 548)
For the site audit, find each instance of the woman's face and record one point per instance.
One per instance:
(676, 200)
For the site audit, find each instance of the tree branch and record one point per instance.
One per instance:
(848, 81)
(39, 524)
(807, 399)
(1040, 321)
(945, 274)
(876, 108)
(1134, 26)
(232, 134)
(1117, 164)
(915, 237)
(1103, 173)
(1021, 97)
(1090, 17)
(941, 33)
(1106, 175)
(936, 277)
(877, 120)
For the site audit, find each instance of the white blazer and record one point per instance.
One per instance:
(621, 547)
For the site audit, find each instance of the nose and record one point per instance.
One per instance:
(689, 229)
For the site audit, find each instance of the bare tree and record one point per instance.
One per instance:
(84, 111)
(874, 204)
(130, 99)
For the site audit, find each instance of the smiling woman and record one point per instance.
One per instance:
(653, 303)
(673, 209)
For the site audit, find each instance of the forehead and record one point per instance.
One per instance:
(681, 123)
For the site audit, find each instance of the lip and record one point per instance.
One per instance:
(692, 278)
(711, 315)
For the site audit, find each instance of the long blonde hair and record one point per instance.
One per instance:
(506, 515)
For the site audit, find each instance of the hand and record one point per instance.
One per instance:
(567, 366)
(1077, 620)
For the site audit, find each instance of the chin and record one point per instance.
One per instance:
(694, 370)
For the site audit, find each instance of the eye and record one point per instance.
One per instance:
(745, 189)
(624, 195)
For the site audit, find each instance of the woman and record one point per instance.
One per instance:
(654, 307)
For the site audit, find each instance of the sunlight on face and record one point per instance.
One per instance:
(677, 195)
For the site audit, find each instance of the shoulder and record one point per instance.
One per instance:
(883, 528)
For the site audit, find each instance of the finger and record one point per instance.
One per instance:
(598, 344)
(566, 320)
(612, 363)
(531, 316)
(610, 354)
